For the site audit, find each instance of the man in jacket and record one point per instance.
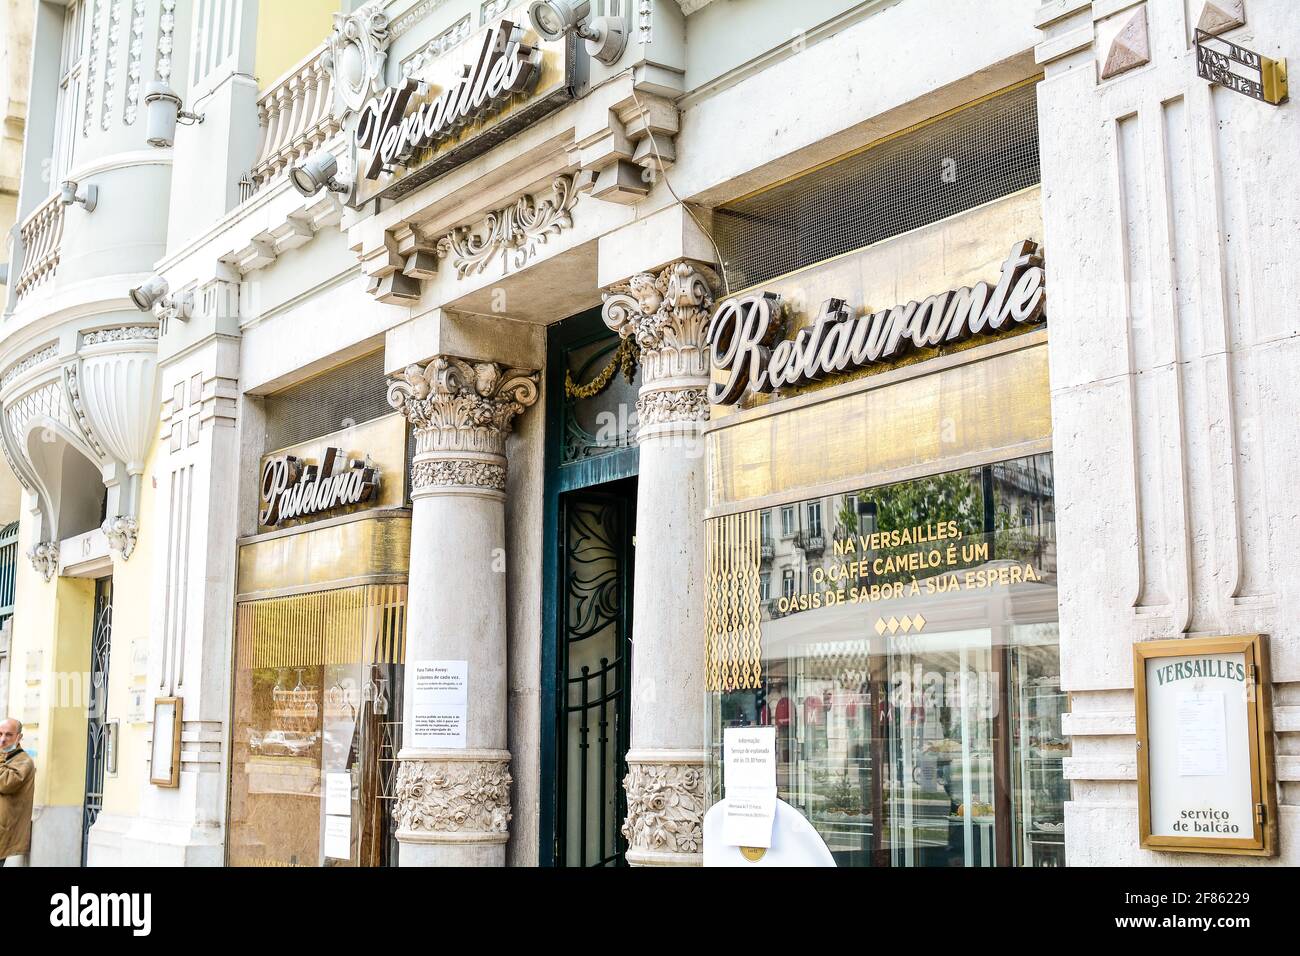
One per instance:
(17, 785)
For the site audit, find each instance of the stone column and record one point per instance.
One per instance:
(666, 315)
(453, 806)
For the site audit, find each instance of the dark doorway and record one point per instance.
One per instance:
(97, 704)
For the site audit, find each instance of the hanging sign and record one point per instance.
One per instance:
(743, 331)
(1229, 65)
(294, 488)
(1205, 770)
(469, 100)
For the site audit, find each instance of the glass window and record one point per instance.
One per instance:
(917, 670)
(68, 106)
(787, 521)
(765, 526)
(765, 586)
(815, 519)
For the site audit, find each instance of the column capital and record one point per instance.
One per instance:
(667, 315)
(462, 412)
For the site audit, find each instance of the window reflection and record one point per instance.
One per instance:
(910, 666)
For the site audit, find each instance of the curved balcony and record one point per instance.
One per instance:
(809, 542)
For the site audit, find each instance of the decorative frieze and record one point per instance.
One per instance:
(458, 473)
(121, 533)
(45, 559)
(665, 809)
(166, 39)
(135, 52)
(123, 333)
(465, 798)
(512, 232)
(28, 362)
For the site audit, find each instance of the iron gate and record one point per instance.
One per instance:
(96, 708)
(594, 718)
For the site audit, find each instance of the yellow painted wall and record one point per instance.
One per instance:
(133, 600)
(50, 664)
(287, 30)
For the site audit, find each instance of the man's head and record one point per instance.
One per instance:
(11, 734)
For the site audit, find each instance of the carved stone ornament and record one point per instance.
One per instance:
(667, 315)
(358, 46)
(453, 796)
(673, 405)
(121, 533)
(665, 810)
(456, 405)
(458, 473)
(513, 232)
(45, 559)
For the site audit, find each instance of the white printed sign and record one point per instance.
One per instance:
(338, 838)
(749, 781)
(440, 708)
(338, 793)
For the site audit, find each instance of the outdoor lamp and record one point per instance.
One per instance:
(162, 113)
(88, 197)
(149, 293)
(605, 36)
(317, 172)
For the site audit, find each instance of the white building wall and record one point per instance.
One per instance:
(1171, 217)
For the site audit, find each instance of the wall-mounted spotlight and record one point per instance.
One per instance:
(316, 172)
(162, 113)
(88, 197)
(605, 36)
(153, 293)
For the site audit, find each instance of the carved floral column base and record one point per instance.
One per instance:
(666, 801)
(453, 799)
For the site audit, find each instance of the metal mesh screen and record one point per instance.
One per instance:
(342, 397)
(926, 174)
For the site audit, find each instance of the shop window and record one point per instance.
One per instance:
(919, 680)
(317, 723)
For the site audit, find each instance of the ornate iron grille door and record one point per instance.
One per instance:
(96, 710)
(595, 654)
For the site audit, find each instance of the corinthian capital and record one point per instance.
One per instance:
(666, 315)
(461, 412)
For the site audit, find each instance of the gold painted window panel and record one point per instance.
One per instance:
(365, 624)
(733, 652)
(998, 407)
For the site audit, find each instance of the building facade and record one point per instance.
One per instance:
(439, 422)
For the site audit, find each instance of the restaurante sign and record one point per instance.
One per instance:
(742, 333)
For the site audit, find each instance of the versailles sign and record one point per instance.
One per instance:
(293, 488)
(743, 331)
(422, 128)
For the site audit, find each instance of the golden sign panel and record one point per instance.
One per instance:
(338, 626)
(366, 550)
(996, 407)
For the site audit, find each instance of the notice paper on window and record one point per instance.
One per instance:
(749, 779)
(1202, 734)
(338, 793)
(338, 838)
(440, 707)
